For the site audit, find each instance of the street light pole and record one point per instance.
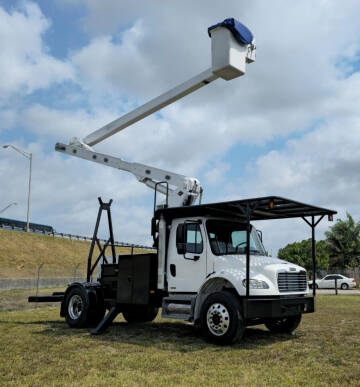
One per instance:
(29, 157)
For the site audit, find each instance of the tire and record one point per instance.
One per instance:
(221, 319)
(344, 286)
(77, 308)
(140, 313)
(283, 325)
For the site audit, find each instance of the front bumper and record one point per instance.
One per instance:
(277, 307)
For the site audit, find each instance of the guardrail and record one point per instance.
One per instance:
(76, 237)
(84, 238)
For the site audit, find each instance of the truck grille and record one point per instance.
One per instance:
(292, 282)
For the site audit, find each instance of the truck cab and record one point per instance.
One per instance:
(201, 250)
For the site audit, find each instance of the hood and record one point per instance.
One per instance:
(258, 264)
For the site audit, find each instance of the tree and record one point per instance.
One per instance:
(343, 242)
(300, 253)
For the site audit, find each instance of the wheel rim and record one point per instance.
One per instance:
(280, 321)
(75, 307)
(218, 319)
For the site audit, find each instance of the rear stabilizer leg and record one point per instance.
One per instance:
(106, 321)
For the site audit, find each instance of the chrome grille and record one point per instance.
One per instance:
(292, 282)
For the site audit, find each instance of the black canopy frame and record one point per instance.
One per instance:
(262, 208)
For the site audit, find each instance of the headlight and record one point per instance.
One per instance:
(256, 284)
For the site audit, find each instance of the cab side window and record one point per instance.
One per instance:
(189, 238)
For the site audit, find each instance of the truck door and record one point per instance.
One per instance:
(187, 257)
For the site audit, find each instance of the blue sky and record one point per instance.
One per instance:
(289, 127)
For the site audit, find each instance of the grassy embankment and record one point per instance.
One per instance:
(38, 348)
(21, 253)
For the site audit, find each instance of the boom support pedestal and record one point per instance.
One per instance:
(95, 240)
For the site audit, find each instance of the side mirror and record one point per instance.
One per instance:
(181, 239)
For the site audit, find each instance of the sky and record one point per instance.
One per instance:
(290, 127)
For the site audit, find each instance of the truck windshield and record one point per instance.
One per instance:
(230, 238)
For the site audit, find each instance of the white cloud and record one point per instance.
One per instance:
(7, 118)
(119, 66)
(217, 174)
(138, 49)
(25, 64)
(63, 124)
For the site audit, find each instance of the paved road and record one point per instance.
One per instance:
(332, 291)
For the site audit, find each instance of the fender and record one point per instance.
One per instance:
(216, 283)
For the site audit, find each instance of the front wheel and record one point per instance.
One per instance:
(221, 320)
(283, 325)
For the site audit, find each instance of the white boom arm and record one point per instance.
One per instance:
(150, 107)
(181, 190)
(232, 46)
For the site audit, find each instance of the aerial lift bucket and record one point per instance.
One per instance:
(232, 46)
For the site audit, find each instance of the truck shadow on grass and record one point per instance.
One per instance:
(181, 337)
(174, 336)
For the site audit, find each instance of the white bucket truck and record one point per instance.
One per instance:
(210, 266)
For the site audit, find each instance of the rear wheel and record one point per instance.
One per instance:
(283, 325)
(83, 308)
(77, 308)
(221, 320)
(140, 313)
(344, 286)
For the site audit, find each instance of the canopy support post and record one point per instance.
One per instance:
(247, 250)
(247, 211)
(313, 224)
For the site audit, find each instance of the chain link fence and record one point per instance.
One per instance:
(46, 277)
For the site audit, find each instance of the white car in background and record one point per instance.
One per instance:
(328, 282)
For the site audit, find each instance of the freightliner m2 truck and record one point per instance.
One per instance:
(209, 266)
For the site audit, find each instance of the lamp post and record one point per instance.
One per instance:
(29, 157)
(9, 205)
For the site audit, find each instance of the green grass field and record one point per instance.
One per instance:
(37, 348)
